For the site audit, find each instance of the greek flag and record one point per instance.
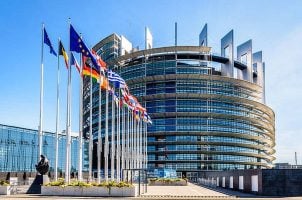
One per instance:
(117, 81)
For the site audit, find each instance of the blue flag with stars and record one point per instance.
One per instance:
(77, 45)
(46, 40)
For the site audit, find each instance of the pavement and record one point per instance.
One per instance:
(191, 191)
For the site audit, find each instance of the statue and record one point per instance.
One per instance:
(43, 166)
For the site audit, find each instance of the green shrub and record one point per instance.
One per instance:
(109, 184)
(59, 182)
(4, 183)
(123, 184)
(80, 184)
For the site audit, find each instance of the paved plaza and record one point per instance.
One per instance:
(180, 191)
(169, 192)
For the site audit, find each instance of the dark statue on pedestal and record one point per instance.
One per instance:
(41, 179)
(43, 166)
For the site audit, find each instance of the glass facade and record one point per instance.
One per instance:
(202, 120)
(19, 150)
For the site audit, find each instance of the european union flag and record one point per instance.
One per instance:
(47, 41)
(77, 45)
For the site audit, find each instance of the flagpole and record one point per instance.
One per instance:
(131, 140)
(140, 144)
(112, 136)
(57, 118)
(146, 145)
(80, 163)
(41, 96)
(100, 131)
(68, 123)
(128, 142)
(106, 137)
(90, 130)
(123, 141)
(118, 145)
(136, 141)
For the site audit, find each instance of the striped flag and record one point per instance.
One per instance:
(74, 62)
(63, 53)
(117, 81)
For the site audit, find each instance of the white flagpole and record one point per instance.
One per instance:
(68, 123)
(118, 144)
(90, 131)
(146, 145)
(140, 144)
(123, 141)
(99, 147)
(128, 141)
(112, 136)
(80, 139)
(57, 117)
(41, 97)
(135, 141)
(132, 141)
(106, 138)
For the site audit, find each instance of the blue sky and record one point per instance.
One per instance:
(274, 26)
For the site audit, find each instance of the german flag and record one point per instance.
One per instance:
(88, 71)
(63, 53)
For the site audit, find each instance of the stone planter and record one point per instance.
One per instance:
(122, 192)
(168, 183)
(95, 191)
(5, 190)
(88, 191)
(52, 190)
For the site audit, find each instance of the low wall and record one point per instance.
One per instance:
(267, 182)
(5, 190)
(88, 191)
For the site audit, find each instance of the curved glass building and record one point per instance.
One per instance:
(208, 110)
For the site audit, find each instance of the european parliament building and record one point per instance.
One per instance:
(208, 110)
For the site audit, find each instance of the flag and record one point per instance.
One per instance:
(74, 62)
(101, 63)
(118, 81)
(140, 107)
(104, 83)
(115, 98)
(149, 119)
(88, 71)
(46, 40)
(132, 100)
(145, 116)
(77, 45)
(63, 53)
(136, 114)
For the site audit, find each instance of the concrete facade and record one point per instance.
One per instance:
(267, 182)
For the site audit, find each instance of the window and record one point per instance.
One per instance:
(227, 52)
(243, 59)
